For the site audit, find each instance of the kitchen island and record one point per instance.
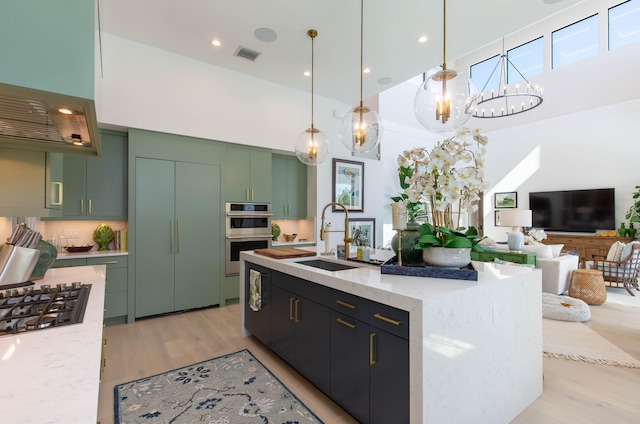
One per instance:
(52, 375)
(474, 347)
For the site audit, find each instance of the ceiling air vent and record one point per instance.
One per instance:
(246, 53)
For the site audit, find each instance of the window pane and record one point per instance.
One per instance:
(481, 74)
(528, 60)
(624, 24)
(575, 42)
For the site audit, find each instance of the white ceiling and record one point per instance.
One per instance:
(391, 30)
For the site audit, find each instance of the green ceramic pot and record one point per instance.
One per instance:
(410, 236)
(48, 255)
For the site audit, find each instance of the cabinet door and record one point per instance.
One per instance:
(75, 185)
(260, 168)
(197, 234)
(279, 178)
(389, 379)
(237, 174)
(297, 189)
(283, 330)
(313, 342)
(350, 365)
(106, 179)
(154, 232)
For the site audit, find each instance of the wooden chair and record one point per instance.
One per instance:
(622, 273)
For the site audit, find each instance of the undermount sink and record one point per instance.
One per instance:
(326, 265)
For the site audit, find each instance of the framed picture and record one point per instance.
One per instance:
(497, 218)
(348, 185)
(364, 229)
(506, 200)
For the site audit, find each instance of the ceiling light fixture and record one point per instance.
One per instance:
(445, 100)
(361, 128)
(507, 100)
(216, 42)
(312, 147)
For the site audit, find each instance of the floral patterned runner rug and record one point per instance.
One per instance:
(234, 388)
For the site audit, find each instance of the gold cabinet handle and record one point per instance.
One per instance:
(89, 203)
(247, 195)
(291, 299)
(108, 263)
(372, 360)
(389, 320)
(58, 185)
(284, 209)
(81, 206)
(171, 236)
(297, 304)
(178, 236)
(251, 194)
(348, 324)
(345, 304)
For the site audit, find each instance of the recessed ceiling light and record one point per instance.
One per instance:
(366, 70)
(422, 39)
(216, 42)
(65, 111)
(265, 34)
(307, 74)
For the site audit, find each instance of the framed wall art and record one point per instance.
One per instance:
(348, 185)
(506, 200)
(364, 229)
(497, 218)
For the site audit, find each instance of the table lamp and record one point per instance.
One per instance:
(516, 219)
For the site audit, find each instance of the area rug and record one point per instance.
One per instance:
(576, 341)
(234, 388)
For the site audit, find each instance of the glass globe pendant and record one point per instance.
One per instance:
(361, 129)
(312, 147)
(446, 99)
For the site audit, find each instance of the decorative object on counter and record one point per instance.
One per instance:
(622, 231)
(290, 237)
(275, 230)
(402, 244)
(447, 248)
(103, 235)
(348, 185)
(392, 266)
(120, 240)
(78, 248)
(48, 255)
(516, 219)
(631, 230)
(238, 383)
(312, 147)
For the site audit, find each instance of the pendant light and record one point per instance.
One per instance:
(446, 99)
(361, 129)
(312, 147)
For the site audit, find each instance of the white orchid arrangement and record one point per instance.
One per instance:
(449, 177)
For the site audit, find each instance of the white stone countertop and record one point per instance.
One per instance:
(475, 347)
(52, 376)
(91, 254)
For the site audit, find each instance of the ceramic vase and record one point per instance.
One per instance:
(410, 236)
(447, 257)
(48, 255)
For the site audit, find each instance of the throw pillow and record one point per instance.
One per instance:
(542, 251)
(627, 250)
(556, 249)
(615, 252)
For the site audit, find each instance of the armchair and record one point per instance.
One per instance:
(622, 273)
(556, 272)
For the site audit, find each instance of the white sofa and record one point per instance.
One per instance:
(556, 272)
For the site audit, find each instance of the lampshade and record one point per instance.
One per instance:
(361, 129)
(515, 218)
(312, 147)
(446, 99)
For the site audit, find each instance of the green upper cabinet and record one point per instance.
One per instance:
(248, 174)
(49, 46)
(289, 185)
(95, 187)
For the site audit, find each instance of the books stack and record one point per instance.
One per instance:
(120, 240)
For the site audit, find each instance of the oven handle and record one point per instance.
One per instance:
(249, 237)
(249, 215)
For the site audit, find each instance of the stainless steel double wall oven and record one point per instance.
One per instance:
(248, 227)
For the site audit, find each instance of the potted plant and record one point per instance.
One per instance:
(455, 245)
(448, 178)
(633, 214)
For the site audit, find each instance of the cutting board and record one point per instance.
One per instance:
(284, 252)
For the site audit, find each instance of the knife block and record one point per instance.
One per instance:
(17, 263)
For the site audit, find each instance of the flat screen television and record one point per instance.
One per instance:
(573, 210)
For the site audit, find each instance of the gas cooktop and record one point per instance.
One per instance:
(26, 308)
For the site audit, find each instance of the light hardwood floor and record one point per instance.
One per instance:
(574, 392)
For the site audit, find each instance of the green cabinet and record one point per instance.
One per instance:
(177, 236)
(116, 283)
(30, 183)
(95, 187)
(289, 187)
(247, 174)
(518, 258)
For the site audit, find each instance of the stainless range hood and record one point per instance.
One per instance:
(45, 121)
